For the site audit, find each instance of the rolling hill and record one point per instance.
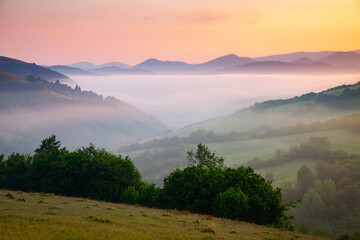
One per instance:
(114, 64)
(23, 70)
(239, 136)
(114, 70)
(221, 63)
(342, 58)
(164, 67)
(303, 60)
(71, 70)
(290, 57)
(274, 67)
(33, 108)
(7, 78)
(88, 65)
(325, 63)
(47, 216)
(83, 65)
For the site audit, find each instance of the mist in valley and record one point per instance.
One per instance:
(180, 100)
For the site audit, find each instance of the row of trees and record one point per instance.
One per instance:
(343, 100)
(206, 186)
(86, 172)
(201, 135)
(316, 148)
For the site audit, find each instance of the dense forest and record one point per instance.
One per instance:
(330, 194)
(206, 186)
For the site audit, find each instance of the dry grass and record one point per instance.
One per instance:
(67, 218)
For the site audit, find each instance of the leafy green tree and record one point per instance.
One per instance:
(238, 193)
(205, 158)
(129, 195)
(14, 171)
(149, 195)
(48, 145)
(305, 179)
(232, 203)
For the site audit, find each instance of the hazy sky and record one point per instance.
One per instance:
(63, 32)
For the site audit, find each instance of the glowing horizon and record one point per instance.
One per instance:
(63, 32)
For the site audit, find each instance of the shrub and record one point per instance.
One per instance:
(232, 203)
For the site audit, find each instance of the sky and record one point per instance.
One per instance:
(53, 32)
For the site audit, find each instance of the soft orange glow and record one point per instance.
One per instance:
(63, 32)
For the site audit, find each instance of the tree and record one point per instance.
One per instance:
(234, 193)
(205, 158)
(48, 145)
(305, 179)
(232, 203)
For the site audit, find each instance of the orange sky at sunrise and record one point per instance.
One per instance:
(62, 32)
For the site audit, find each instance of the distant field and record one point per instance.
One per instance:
(239, 152)
(301, 112)
(287, 172)
(41, 216)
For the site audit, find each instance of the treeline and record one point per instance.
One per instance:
(343, 100)
(75, 93)
(85, 172)
(316, 148)
(330, 198)
(348, 122)
(206, 186)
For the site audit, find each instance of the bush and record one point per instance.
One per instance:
(232, 203)
(130, 195)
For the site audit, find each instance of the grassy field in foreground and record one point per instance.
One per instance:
(45, 216)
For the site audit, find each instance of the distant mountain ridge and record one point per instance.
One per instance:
(88, 65)
(24, 69)
(290, 57)
(164, 67)
(276, 67)
(71, 70)
(342, 58)
(226, 62)
(114, 70)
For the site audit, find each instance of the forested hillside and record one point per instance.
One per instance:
(80, 117)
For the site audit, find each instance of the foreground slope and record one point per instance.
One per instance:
(44, 216)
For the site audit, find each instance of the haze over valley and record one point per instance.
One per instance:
(180, 119)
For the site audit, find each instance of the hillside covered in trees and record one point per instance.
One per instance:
(78, 116)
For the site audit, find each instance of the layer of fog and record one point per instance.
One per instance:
(75, 125)
(181, 100)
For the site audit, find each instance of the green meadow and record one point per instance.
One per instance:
(239, 152)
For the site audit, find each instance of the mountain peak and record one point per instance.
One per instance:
(342, 58)
(303, 60)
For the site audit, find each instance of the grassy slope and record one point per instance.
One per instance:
(239, 152)
(10, 78)
(287, 172)
(275, 117)
(55, 217)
